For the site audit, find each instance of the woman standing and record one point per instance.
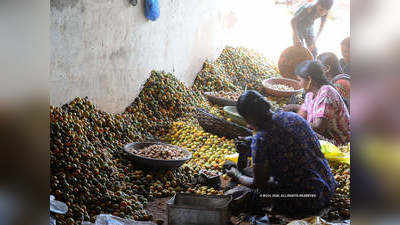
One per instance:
(331, 62)
(303, 23)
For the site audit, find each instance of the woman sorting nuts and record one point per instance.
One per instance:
(290, 173)
(324, 107)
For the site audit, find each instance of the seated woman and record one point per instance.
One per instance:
(323, 107)
(331, 62)
(335, 75)
(289, 168)
(345, 61)
(342, 83)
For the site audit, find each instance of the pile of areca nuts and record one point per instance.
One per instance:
(91, 173)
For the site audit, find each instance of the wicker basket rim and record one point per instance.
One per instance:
(210, 116)
(291, 81)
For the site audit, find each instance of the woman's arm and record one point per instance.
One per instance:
(237, 176)
(320, 125)
(296, 40)
(296, 109)
(292, 108)
(261, 174)
(246, 181)
(302, 113)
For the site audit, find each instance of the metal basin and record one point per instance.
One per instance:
(155, 162)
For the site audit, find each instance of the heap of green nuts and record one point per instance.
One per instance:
(91, 173)
(245, 67)
(235, 69)
(162, 100)
(212, 77)
(83, 164)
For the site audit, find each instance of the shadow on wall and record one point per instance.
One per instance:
(143, 6)
(62, 4)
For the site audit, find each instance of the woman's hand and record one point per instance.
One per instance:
(228, 165)
(233, 173)
(243, 144)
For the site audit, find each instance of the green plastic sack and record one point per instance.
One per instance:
(333, 153)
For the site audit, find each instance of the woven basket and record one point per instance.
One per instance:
(288, 82)
(219, 101)
(220, 127)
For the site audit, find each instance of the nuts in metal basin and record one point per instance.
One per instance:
(161, 152)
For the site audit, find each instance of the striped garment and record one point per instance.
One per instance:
(343, 86)
(328, 104)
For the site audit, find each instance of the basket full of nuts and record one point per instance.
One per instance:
(281, 87)
(156, 154)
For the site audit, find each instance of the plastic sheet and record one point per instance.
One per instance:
(333, 153)
(53, 221)
(259, 220)
(57, 206)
